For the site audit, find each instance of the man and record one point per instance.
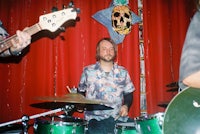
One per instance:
(24, 40)
(190, 58)
(109, 82)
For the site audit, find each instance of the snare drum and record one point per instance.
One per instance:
(151, 124)
(59, 125)
(126, 128)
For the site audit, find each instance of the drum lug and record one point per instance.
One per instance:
(74, 129)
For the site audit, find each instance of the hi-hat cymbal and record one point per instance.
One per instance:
(72, 98)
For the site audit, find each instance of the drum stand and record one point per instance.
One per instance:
(26, 118)
(68, 108)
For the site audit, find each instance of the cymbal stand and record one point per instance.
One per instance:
(68, 108)
(25, 119)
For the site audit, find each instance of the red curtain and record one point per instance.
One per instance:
(165, 25)
(56, 60)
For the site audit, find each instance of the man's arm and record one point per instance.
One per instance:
(24, 39)
(128, 98)
(193, 80)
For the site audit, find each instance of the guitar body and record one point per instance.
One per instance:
(182, 115)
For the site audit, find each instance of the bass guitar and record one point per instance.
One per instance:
(51, 21)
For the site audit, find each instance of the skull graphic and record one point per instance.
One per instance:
(121, 19)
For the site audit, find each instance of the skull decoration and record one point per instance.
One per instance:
(121, 19)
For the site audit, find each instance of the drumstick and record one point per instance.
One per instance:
(68, 89)
(117, 117)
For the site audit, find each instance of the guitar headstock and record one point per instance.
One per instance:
(52, 21)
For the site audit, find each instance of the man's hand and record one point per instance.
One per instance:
(24, 40)
(124, 111)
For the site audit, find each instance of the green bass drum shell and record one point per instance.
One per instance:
(182, 115)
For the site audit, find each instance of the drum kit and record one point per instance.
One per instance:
(181, 117)
(52, 123)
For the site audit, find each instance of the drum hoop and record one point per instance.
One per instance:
(150, 117)
(143, 118)
(61, 123)
(125, 125)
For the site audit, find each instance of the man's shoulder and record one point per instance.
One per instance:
(120, 67)
(91, 66)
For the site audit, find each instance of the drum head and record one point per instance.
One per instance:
(182, 115)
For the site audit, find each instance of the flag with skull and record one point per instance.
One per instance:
(118, 19)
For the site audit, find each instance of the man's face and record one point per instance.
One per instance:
(107, 51)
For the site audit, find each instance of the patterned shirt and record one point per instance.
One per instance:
(106, 86)
(3, 35)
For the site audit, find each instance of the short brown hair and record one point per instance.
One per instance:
(98, 47)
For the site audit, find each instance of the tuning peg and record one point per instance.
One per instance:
(71, 4)
(54, 9)
(62, 29)
(78, 10)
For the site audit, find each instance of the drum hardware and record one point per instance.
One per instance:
(126, 128)
(25, 119)
(68, 108)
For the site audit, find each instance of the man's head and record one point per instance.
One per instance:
(198, 4)
(106, 50)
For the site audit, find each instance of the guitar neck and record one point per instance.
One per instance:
(9, 42)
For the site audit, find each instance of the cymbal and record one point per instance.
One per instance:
(56, 105)
(173, 89)
(163, 104)
(72, 98)
(173, 84)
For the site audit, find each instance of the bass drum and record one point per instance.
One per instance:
(182, 115)
(59, 125)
